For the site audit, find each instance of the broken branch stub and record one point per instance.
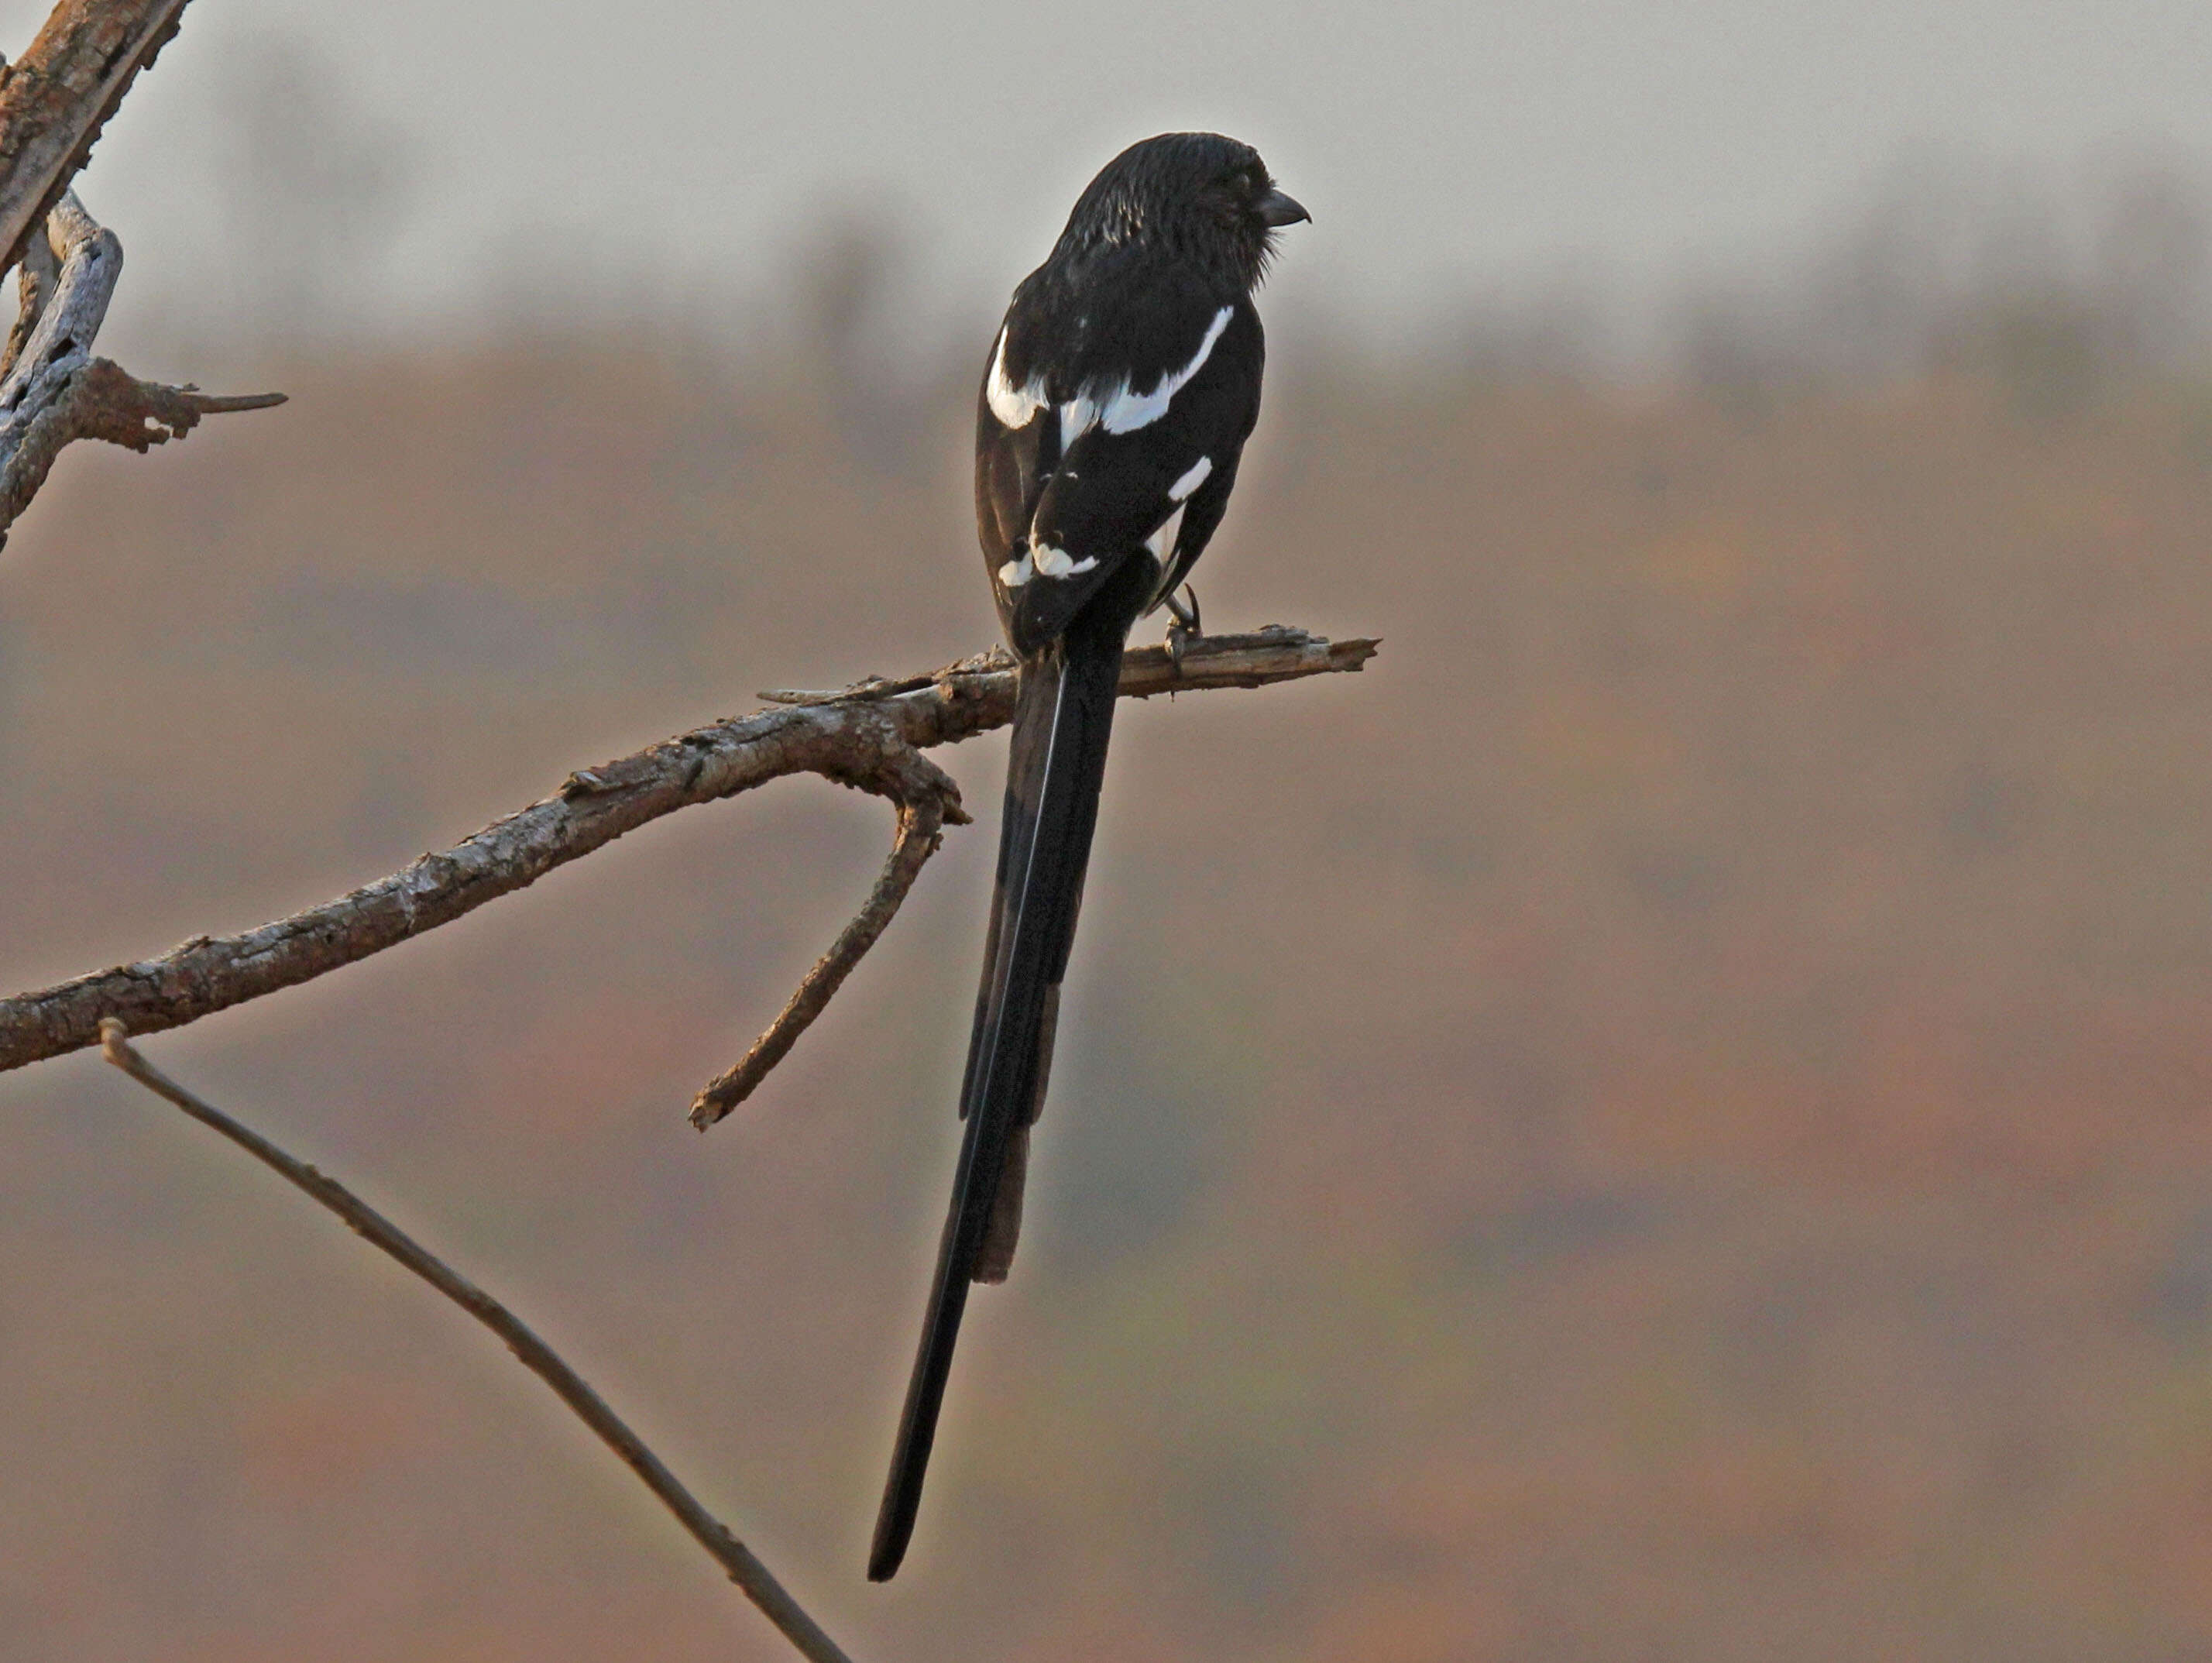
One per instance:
(55, 392)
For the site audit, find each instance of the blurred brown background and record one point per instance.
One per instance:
(1667, 1120)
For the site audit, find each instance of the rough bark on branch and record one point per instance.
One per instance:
(868, 736)
(54, 100)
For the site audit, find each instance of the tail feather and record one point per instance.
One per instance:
(1062, 721)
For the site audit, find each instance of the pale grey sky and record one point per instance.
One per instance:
(1440, 146)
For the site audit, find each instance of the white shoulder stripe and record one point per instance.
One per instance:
(1124, 411)
(1014, 406)
(1200, 470)
(1115, 407)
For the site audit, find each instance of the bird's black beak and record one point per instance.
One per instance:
(1277, 209)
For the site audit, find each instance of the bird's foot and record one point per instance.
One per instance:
(1186, 628)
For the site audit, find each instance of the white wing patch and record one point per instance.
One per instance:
(1014, 406)
(1053, 562)
(1045, 562)
(1200, 470)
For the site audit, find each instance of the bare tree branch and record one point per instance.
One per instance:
(866, 737)
(54, 100)
(918, 834)
(72, 307)
(55, 390)
(758, 1583)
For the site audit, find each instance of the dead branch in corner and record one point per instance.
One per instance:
(53, 391)
(53, 102)
(55, 99)
(869, 737)
(755, 1579)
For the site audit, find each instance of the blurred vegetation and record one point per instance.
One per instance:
(1667, 1119)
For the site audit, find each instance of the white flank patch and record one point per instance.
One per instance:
(1053, 562)
(1124, 411)
(1164, 540)
(1014, 406)
(1200, 471)
(1015, 572)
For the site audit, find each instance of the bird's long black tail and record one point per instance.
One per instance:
(1062, 721)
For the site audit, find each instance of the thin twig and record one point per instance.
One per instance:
(918, 834)
(758, 1583)
(851, 740)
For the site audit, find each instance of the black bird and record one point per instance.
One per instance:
(1116, 402)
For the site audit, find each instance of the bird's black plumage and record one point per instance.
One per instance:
(1115, 406)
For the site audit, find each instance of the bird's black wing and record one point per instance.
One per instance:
(1072, 477)
(1075, 474)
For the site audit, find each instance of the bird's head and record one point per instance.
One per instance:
(1196, 196)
